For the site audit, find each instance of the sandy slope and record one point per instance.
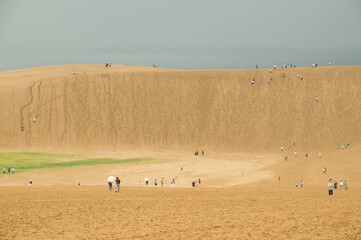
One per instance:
(129, 108)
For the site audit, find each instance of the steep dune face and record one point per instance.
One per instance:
(124, 107)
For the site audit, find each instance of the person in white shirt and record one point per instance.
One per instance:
(341, 184)
(34, 119)
(13, 170)
(319, 155)
(281, 148)
(4, 170)
(295, 154)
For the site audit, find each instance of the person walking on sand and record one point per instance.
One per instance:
(296, 184)
(155, 182)
(330, 187)
(346, 185)
(162, 182)
(295, 154)
(319, 155)
(146, 181)
(242, 173)
(202, 152)
(335, 184)
(34, 120)
(199, 181)
(281, 148)
(193, 184)
(31, 183)
(117, 181)
(110, 186)
(8, 170)
(341, 184)
(4, 170)
(301, 183)
(13, 170)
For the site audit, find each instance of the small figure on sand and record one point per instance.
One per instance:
(316, 99)
(324, 170)
(335, 184)
(117, 181)
(341, 184)
(4, 170)
(346, 185)
(22, 129)
(330, 187)
(30, 183)
(295, 154)
(253, 81)
(34, 120)
(281, 148)
(13, 170)
(162, 182)
(202, 152)
(242, 173)
(301, 183)
(319, 155)
(279, 178)
(146, 180)
(155, 182)
(193, 184)
(296, 184)
(196, 152)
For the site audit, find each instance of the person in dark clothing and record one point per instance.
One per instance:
(117, 181)
(199, 181)
(193, 184)
(8, 170)
(202, 152)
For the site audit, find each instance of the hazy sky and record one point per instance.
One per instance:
(180, 34)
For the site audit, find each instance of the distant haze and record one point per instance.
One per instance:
(202, 34)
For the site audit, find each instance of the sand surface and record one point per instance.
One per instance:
(128, 112)
(214, 170)
(149, 213)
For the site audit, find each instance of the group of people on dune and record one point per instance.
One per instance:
(333, 185)
(12, 170)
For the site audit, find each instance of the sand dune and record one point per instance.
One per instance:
(128, 108)
(128, 111)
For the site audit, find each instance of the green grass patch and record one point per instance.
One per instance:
(23, 161)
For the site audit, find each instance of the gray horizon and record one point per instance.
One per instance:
(182, 35)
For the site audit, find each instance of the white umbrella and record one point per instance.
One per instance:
(111, 179)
